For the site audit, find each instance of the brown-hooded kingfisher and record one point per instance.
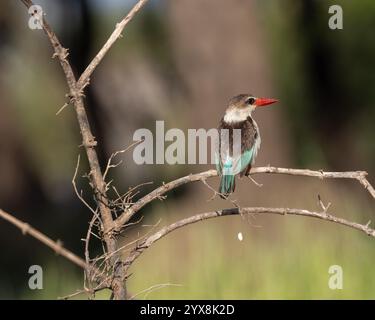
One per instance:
(237, 149)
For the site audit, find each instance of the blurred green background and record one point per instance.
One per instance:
(180, 61)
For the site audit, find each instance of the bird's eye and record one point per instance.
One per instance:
(250, 101)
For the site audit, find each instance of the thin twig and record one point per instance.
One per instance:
(154, 288)
(114, 155)
(79, 194)
(116, 34)
(88, 269)
(72, 295)
(54, 245)
(62, 108)
(84, 291)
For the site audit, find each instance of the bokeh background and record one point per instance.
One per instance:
(180, 61)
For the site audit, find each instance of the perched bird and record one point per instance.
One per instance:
(239, 140)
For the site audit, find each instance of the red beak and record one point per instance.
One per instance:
(259, 102)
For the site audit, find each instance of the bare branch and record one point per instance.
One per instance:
(155, 194)
(145, 244)
(89, 292)
(84, 79)
(74, 294)
(88, 140)
(54, 245)
(202, 176)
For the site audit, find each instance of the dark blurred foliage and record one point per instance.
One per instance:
(327, 78)
(80, 39)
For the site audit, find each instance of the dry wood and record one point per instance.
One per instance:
(202, 176)
(88, 140)
(54, 245)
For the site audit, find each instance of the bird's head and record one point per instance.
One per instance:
(241, 106)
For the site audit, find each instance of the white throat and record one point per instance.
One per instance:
(237, 115)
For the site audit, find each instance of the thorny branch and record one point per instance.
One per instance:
(110, 225)
(202, 176)
(58, 248)
(88, 141)
(146, 243)
(54, 245)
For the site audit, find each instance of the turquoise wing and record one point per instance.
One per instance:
(232, 165)
(244, 161)
(229, 169)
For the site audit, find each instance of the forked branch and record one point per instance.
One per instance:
(88, 140)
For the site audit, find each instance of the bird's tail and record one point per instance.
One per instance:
(227, 182)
